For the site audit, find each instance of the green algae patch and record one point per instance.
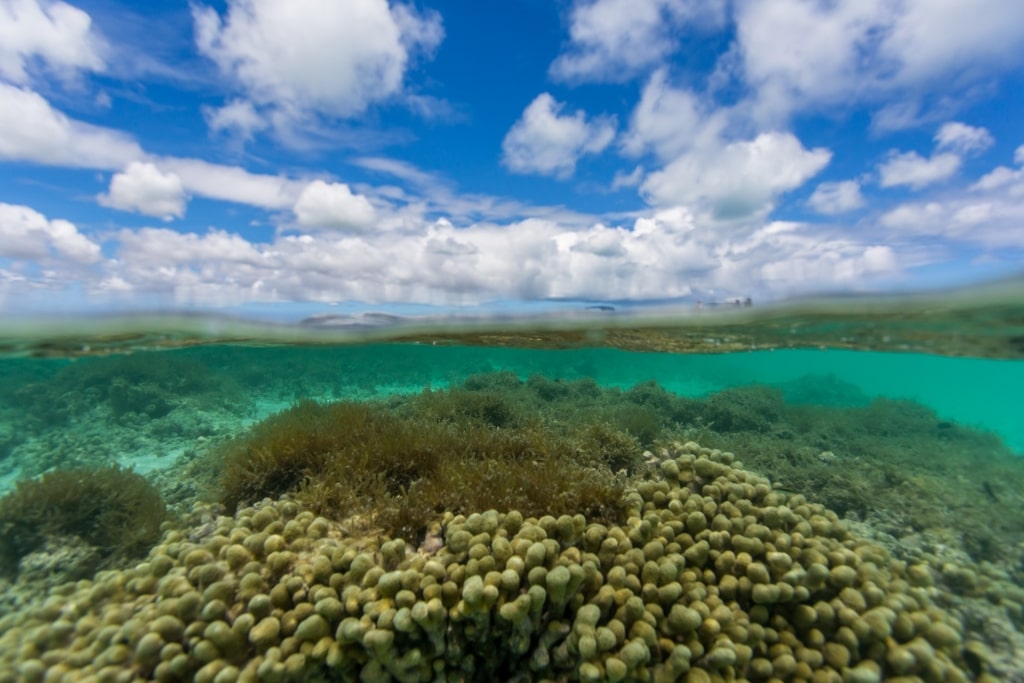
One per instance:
(398, 471)
(111, 509)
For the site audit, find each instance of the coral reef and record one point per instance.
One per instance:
(95, 412)
(457, 452)
(713, 576)
(892, 462)
(112, 510)
(483, 477)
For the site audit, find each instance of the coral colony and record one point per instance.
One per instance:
(469, 535)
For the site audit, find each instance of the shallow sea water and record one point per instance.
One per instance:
(901, 418)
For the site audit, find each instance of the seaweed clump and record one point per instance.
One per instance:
(399, 472)
(111, 509)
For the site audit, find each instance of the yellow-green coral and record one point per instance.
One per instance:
(658, 597)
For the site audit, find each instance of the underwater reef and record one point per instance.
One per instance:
(398, 472)
(520, 529)
(712, 576)
(109, 515)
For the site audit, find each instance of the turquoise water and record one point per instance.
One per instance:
(916, 452)
(979, 393)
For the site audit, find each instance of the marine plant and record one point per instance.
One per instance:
(112, 509)
(399, 470)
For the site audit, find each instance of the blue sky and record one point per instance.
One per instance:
(456, 153)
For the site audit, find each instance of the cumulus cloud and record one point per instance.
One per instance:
(528, 259)
(333, 206)
(794, 52)
(929, 39)
(988, 215)
(27, 234)
(306, 58)
(704, 163)
(542, 141)
(736, 179)
(992, 223)
(798, 53)
(669, 252)
(150, 246)
(33, 131)
(668, 121)
(953, 141)
(838, 263)
(613, 40)
(144, 188)
(836, 197)
(963, 139)
(915, 171)
(784, 257)
(53, 34)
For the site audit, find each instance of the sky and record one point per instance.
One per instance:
(464, 154)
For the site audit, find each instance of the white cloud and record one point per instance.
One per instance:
(400, 169)
(144, 188)
(785, 258)
(54, 33)
(989, 222)
(989, 214)
(669, 121)
(237, 117)
(233, 183)
(543, 142)
(849, 266)
(613, 40)
(33, 131)
(836, 197)
(669, 252)
(1001, 177)
(631, 179)
(736, 179)
(933, 38)
(305, 58)
(915, 171)
(160, 247)
(334, 206)
(795, 51)
(963, 139)
(798, 53)
(705, 166)
(952, 141)
(27, 234)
